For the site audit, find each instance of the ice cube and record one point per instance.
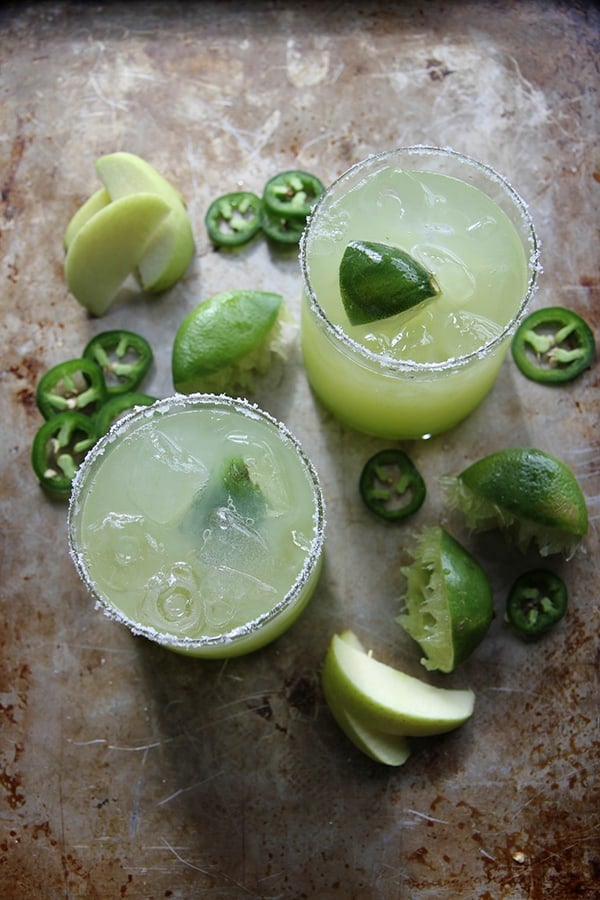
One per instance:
(231, 537)
(162, 482)
(266, 471)
(125, 550)
(233, 597)
(454, 277)
(466, 332)
(173, 602)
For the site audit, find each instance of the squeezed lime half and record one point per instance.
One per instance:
(528, 493)
(225, 341)
(448, 601)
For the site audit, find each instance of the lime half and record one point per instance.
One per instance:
(448, 601)
(226, 340)
(378, 281)
(529, 493)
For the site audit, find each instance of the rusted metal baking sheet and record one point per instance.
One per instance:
(127, 771)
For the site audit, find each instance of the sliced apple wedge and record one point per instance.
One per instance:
(85, 212)
(125, 173)
(109, 246)
(172, 248)
(383, 699)
(390, 749)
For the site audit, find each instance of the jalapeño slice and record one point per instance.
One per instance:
(77, 385)
(292, 194)
(115, 406)
(553, 345)
(391, 486)
(536, 602)
(124, 358)
(280, 229)
(233, 219)
(59, 447)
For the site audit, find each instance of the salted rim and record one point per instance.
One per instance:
(163, 407)
(384, 360)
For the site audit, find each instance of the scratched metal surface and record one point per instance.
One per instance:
(128, 771)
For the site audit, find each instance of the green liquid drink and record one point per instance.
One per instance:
(199, 523)
(421, 371)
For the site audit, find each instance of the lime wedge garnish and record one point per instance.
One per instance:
(448, 600)
(527, 492)
(378, 281)
(231, 489)
(247, 496)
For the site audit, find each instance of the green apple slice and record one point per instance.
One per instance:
(172, 248)
(109, 247)
(389, 749)
(384, 699)
(85, 212)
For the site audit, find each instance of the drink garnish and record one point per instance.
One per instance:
(231, 488)
(378, 281)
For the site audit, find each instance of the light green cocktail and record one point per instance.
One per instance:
(420, 372)
(199, 523)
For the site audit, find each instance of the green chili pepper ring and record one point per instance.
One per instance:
(536, 602)
(124, 358)
(76, 385)
(391, 486)
(58, 449)
(292, 194)
(553, 345)
(280, 229)
(116, 406)
(233, 219)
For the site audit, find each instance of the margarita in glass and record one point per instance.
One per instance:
(421, 371)
(199, 523)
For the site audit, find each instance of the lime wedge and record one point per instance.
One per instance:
(378, 281)
(526, 492)
(449, 605)
(225, 333)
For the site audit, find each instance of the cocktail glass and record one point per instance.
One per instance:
(419, 373)
(198, 522)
